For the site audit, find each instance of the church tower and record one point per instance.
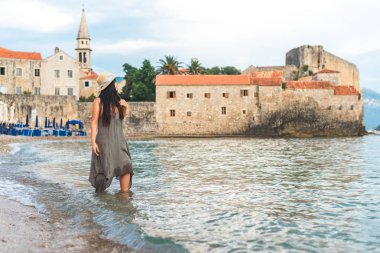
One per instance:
(83, 45)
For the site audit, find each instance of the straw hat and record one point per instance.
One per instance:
(103, 81)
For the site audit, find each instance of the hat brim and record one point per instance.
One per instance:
(104, 85)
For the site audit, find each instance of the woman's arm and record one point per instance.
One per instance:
(124, 106)
(94, 124)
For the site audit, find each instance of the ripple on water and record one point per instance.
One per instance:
(224, 195)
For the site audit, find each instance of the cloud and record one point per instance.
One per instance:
(33, 15)
(125, 47)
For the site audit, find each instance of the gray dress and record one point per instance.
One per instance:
(114, 158)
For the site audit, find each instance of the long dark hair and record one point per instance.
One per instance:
(110, 99)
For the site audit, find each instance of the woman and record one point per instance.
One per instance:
(110, 153)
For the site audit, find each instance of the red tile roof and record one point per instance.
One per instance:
(89, 75)
(267, 78)
(202, 80)
(327, 71)
(5, 53)
(338, 90)
(345, 90)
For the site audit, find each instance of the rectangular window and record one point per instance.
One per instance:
(189, 95)
(61, 57)
(18, 71)
(224, 110)
(172, 113)
(70, 91)
(87, 84)
(37, 72)
(188, 114)
(171, 94)
(57, 91)
(207, 95)
(37, 91)
(244, 111)
(243, 93)
(225, 95)
(18, 90)
(56, 73)
(2, 71)
(69, 73)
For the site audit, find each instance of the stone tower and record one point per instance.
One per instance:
(83, 45)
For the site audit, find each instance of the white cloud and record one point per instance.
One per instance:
(125, 47)
(33, 15)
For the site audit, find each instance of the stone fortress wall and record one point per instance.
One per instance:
(317, 59)
(264, 101)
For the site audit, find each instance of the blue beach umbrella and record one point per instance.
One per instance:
(54, 122)
(36, 121)
(46, 122)
(27, 121)
(60, 124)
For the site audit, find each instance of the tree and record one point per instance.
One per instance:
(139, 82)
(213, 71)
(169, 66)
(195, 67)
(229, 70)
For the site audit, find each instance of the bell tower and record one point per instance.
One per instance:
(83, 45)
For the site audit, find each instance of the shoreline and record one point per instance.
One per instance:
(5, 140)
(24, 229)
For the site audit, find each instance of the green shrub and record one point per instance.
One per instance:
(283, 85)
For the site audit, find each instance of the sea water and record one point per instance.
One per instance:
(211, 195)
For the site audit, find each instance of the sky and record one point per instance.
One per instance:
(216, 32)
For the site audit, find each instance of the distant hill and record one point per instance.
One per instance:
(371, 109)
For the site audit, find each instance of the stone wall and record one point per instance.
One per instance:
(268, 111)
(333, 78)
(307, 113)
(140, 120)
(26, 82)
(64, 107)
(317, 59)
(196, 114)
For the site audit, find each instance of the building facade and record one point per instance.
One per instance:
(60, 75)
(20, 72)
(264, 101)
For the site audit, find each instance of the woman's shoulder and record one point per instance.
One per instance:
(97, 101)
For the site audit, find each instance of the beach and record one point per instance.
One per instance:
(23, 228)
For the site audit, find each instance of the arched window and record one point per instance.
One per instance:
(80, 57)
(84, 58)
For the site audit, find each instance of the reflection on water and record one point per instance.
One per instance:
(215, 195)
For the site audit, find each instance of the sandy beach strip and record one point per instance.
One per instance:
(22, 228)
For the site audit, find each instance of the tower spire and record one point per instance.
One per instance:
(83, 44)
(83, 30)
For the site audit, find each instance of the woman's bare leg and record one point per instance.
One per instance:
(125, 181)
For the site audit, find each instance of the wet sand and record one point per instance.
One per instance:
(22, 228)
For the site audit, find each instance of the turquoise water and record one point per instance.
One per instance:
(212, 195)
